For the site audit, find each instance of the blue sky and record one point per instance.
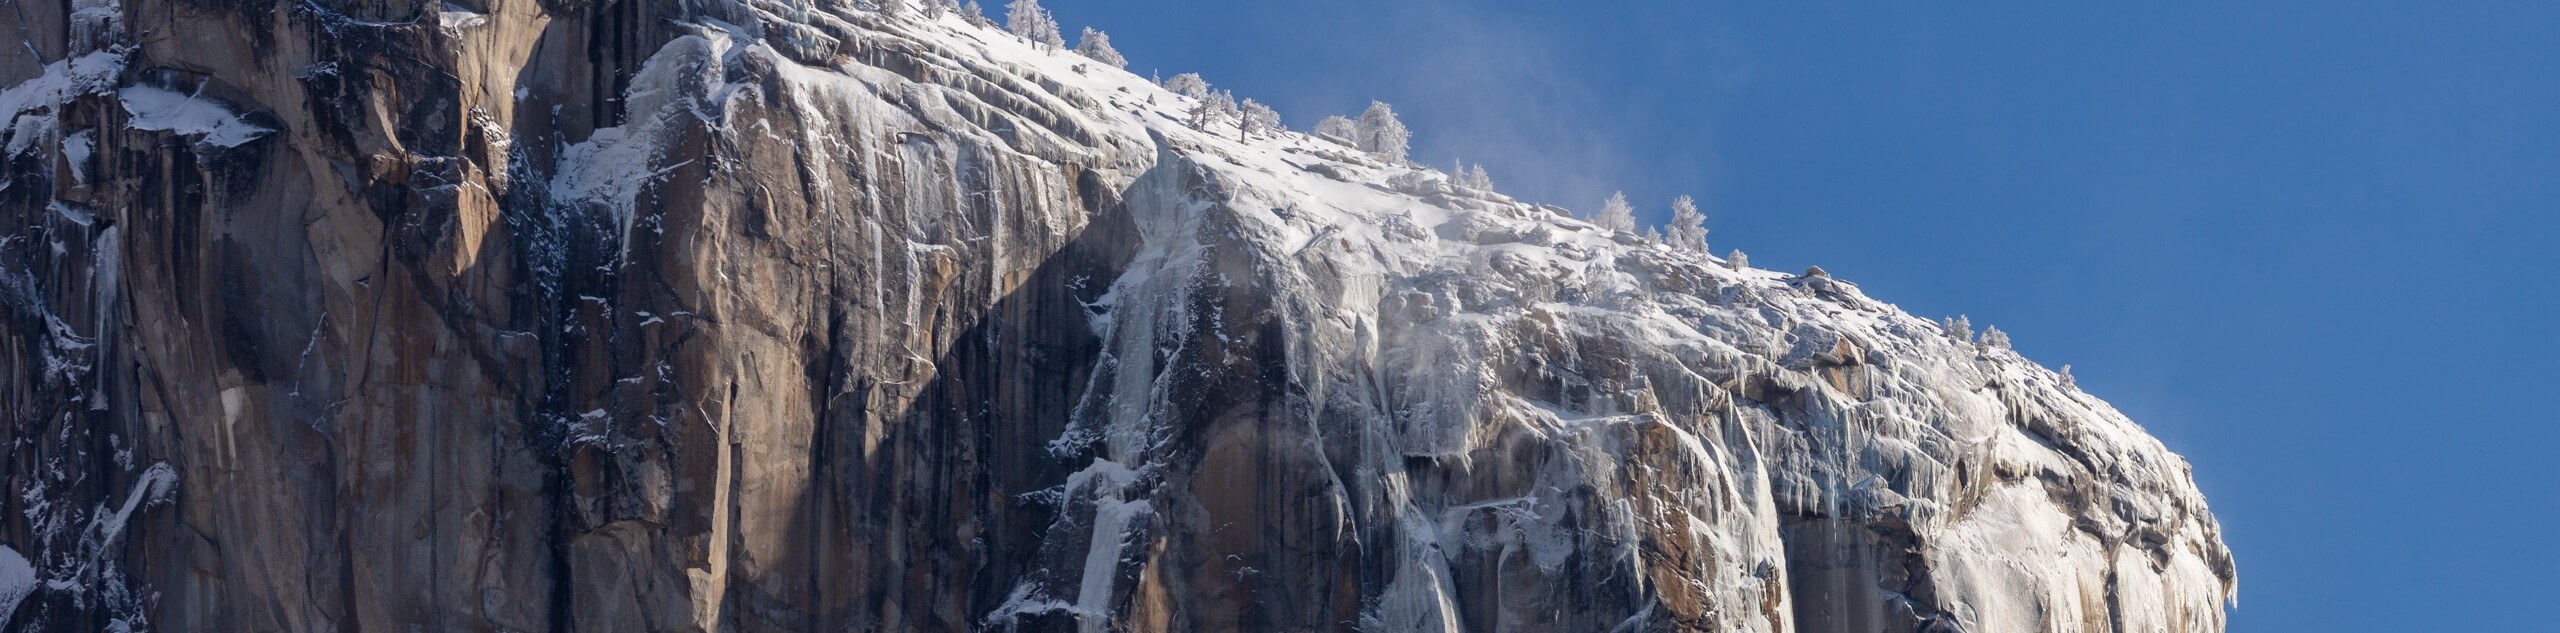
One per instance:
(2310, 245)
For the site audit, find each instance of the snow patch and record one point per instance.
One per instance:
(17, 579)
(153, 487)
(28, 111)
(160, 109)
(76, 149)
(455, 17)
(682, 82)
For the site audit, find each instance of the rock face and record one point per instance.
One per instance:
(566, 315)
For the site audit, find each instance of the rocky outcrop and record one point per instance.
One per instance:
(617, 316)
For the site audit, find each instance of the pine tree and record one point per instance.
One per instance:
(1025, 18)
(1381, 133)
(1188, 85)
(1653, 235)
(938, 8)
(2069, 382)
(1471, 178)
(1616, 214)
(1959, 327)
(1220, 105)
(1097, 45)
(1049, 36)
(1201, 113)
(1340, 128)
(1993, 338)
(1737, 260)
(1258, 118)
(1688, 226)
(975, 14)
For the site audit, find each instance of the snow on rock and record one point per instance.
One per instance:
(29, 109)
(676, 86)
(17, 579)
(77, 147)
(162, 109)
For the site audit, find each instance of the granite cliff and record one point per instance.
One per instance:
(694, 315)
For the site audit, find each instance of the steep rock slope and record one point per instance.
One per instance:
(705, 315)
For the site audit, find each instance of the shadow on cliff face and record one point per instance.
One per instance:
(901, 507)
(1199, 416)
(927, 526)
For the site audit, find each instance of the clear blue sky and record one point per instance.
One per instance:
(2310, 245)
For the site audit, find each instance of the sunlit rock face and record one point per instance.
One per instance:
(506, 315)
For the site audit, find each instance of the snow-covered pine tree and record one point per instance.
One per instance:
(1688, 226)
(1737, 260)
(1993, 338)
(1653, 235)
(974, 14)
(892, 8)
(1188, 85)
(2069, 382)
(937, 8)
(1339, 128)
(1049, 35)
(1959, 327)
(1616, 214)
(1219, 106)
(1200, 114)
(1025, 18)
(1381, 133)
(1470, 177)
(1097, 45)
(1258, 118)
